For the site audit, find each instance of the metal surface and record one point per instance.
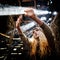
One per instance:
(13, 10)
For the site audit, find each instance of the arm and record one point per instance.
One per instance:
(47, 32)
(22, 35)
(44, 26)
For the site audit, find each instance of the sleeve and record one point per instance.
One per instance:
(24, 38)
(49, 35)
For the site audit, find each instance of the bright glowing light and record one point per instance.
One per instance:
(49, 12)
(19, 53)
(51, 2)
(22, 48)
(54, 13)
(14, 49)
(40, 12)
(43, 18)
(50, 19)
